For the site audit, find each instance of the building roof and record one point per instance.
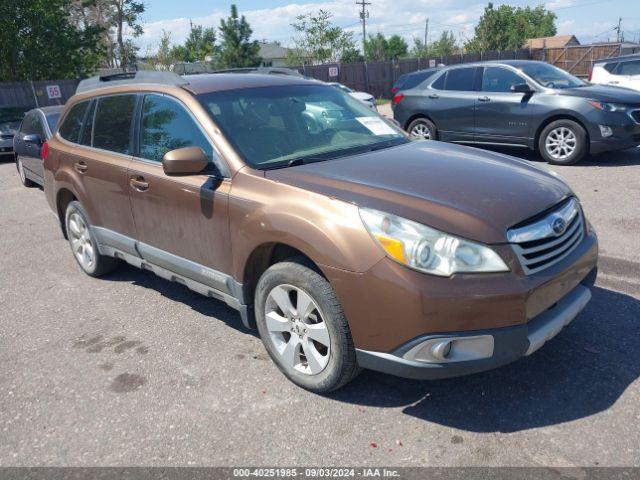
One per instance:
(270, 51)
(551, 42)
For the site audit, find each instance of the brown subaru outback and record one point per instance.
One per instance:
(346, 244)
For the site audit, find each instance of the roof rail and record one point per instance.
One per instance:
(128, 78)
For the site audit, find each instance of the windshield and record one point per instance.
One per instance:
(550, 76)
(271, 127)
(9, 125)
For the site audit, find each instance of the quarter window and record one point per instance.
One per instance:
(460, 79)
(166, 126)
(496, 79)
(72, 123)
(629, 68)
(112, 123)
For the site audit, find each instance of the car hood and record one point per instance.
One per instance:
(362, 96)
(605, 93)
(465, 191)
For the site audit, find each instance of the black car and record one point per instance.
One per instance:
(9, 123)
(521, 103)
(37, 127)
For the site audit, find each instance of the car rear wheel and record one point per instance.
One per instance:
(84, 245)
(563, 142)
(303, 327)
(23, 176)
(423, 128)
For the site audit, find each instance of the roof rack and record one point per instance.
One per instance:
(128, 78)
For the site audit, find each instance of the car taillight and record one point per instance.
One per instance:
(394, 89)
(398, 98)
(44, 153)
(590, 74)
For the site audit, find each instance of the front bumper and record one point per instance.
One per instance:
(625, 133)
(509, 343)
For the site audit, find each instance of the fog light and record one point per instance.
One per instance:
(452, 349)
(605, 131)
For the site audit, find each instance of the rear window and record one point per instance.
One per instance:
(52, 120)
(72, 123)
(460, 79)
(112, 123)
(416, 79)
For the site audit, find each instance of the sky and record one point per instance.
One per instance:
(589, 20)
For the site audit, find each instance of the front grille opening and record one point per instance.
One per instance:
(558, 256)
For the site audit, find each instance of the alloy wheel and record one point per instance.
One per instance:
(421, 130)
(81, 241)
(560, 143)
(297, 329)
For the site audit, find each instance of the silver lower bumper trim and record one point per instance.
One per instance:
(548, 324)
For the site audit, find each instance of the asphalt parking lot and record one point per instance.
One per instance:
(134, 370)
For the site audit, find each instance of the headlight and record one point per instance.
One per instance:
(428, 250)
(608, 107)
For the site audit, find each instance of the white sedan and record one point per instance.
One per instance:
(362, 96)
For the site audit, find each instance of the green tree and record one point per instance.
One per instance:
(352, 55)
(199, 45)
(445, 45)
(508, 27)
(237, 49)
(318, 40)
(125, 14)
(164, 57)
(396, 47)
(376, 48)
(41, 41)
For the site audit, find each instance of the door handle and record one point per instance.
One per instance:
(81, 167)
(139, 184)
(434, 96)
(484, 99)
(614, 82)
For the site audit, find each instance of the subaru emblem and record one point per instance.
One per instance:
(558, 225)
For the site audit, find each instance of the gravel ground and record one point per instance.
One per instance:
(133, 370)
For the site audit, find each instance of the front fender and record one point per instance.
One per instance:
(328, 231)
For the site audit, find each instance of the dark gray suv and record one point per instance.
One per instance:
(521, 103)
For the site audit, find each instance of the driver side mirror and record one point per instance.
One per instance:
(32, 139)
(185, 161)
(521, 88)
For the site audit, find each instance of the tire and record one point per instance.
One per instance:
(423, 128)
(331, 360)
(563, 142)
(83, 243)
(23, 176)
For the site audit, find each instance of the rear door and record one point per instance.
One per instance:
(628, 74)
(450, 102)
(502, 116)
(181, 221)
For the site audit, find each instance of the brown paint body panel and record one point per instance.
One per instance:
(220, 223)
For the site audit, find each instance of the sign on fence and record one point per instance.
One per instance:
(432, 63)
(53, 91)
(333, 72)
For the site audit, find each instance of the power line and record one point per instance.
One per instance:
(364, 14)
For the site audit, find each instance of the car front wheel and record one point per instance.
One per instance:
(303, 327)
(563, 142)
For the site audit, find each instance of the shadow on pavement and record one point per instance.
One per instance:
(583, 371)
(621, 158)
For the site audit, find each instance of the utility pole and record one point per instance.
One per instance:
(364, 14)
(426, 34)
(618, 30)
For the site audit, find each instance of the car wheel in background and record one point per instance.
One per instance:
(83, 244)
(303, 327)
(423, 128)
(563, 142)
(23, 176)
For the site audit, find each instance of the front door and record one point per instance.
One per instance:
(502, 116)
(181, 221)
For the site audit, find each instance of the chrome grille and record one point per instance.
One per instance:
(545, 242)
(635, 114)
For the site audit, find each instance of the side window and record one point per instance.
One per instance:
(629, 68)
(439, 83)
(165, 126)
(610, 67)
(87, 131)
(460, 79)
(28, 124)
(112, 123)
(496, 79)
(72, 123)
